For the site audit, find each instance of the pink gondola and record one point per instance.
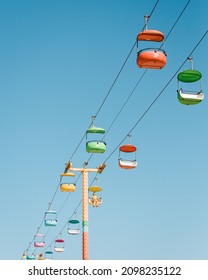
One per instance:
(39, 240)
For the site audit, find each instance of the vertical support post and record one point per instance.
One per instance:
(85, 246)
(84, 171)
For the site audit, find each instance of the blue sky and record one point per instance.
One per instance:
(58, 61)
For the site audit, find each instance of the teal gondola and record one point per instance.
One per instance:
(48, 255)
(50, 218)
(73, 227)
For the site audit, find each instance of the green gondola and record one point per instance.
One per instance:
(190, 97)
(95, 146)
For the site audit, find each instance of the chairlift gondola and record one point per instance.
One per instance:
(39, 240)
(59, 245)
(69, 185)
(190, 97)
(95, 146)
(127, 163)
(50, 218)
(73, 227)
(48, 255)
(31, 257)
(95, 200)
(153, 58)
(30, 254)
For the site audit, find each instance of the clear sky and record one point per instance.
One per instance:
(58, 62)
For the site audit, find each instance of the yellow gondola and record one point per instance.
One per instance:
(95, 201)
(68, 186)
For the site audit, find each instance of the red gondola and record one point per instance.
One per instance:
(127, 163)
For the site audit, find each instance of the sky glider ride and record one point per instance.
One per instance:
(153, 58)
(73, 226)
(190, 97)
(59, 245)
(30, 254)
(50, 218)
(95, 146)
(39, 240)
(127, 163)
(95, 200)
(70, 185)
(48, 255)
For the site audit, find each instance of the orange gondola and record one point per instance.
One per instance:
(153, 58)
